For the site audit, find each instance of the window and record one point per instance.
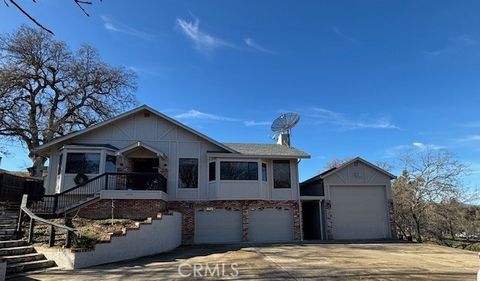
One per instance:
(211, 171)
(111, 163)
(264, 172)
(188, 173)
(87, 163)
(60, 161)
(238, 170)
(281, 174)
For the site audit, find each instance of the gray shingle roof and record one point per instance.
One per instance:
(261, 149)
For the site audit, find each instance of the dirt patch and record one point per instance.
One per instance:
(89, 232)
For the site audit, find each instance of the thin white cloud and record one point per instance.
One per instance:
(423, 146)
(473, 124)
(112, 25)
(195, 114)
(344, 36)
(397, 150)
(455, 45)
(251, 123)
(202, 41)
(254, 45)
(470, 138)
(325, 116)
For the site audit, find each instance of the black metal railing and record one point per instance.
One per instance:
(65, 200)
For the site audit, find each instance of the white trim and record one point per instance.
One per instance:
(227, 155)
(140, 144)
(134, 194)
(40, 148)
(361, 160)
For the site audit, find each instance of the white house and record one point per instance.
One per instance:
(143, 161)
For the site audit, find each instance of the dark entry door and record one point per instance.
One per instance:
(311, 220)
(145, 166)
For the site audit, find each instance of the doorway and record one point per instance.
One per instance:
(147, 167)
(312, 229)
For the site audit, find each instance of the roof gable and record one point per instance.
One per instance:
(334, 170)
(45, 146)
(344, 165)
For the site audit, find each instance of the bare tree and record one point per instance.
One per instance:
(47, 90)
(335, 163)
(430, 177)
(80, 4)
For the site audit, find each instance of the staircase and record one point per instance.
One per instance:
(21, 257)
(18, 254)
(8, 220)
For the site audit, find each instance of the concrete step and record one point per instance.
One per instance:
(12, 225)
(12, 243)
(29, 265)
(7, 231)
(23, 258)
(13, 251)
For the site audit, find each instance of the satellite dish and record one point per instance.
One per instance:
(282, 127)
(285, 122)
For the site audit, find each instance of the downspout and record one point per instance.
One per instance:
(299, 203)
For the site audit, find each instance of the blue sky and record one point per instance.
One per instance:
(369, 78)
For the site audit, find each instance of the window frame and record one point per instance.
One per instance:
(210, 179)
(274, 162)
(99, 168)
(264, 172)
(255, 178)
(196, 177)
(106, 160)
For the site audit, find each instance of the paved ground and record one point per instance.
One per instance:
(388, 261)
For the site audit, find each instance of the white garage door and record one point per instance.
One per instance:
(270, 224)
(220, 225)
(359, 212)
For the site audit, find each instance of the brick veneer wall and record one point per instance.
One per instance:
(188, 211)
(329, 218)
(123, 209)
(391, 216)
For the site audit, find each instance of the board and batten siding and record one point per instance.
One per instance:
(175, 142)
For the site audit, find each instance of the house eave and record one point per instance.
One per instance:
(236, 155)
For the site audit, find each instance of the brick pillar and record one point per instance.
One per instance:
(391, 217)
(187, 209)
(297, 224)
(244, 223)
(329, 218)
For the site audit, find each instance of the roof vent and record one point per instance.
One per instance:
(146, 114)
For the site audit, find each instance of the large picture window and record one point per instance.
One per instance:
(281, 174)
(86, 163)
(188, 173)
(230, 170)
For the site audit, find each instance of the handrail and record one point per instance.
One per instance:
(99, 176)
(33, 218)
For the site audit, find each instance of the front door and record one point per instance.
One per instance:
(144, 166)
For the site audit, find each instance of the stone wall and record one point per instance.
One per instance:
(391, 217)
(187, 208)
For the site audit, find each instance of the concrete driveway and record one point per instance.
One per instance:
(386, 261)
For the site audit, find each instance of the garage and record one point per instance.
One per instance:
(218, 225)
(270, 224)
(359, 212)
(354, 198)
